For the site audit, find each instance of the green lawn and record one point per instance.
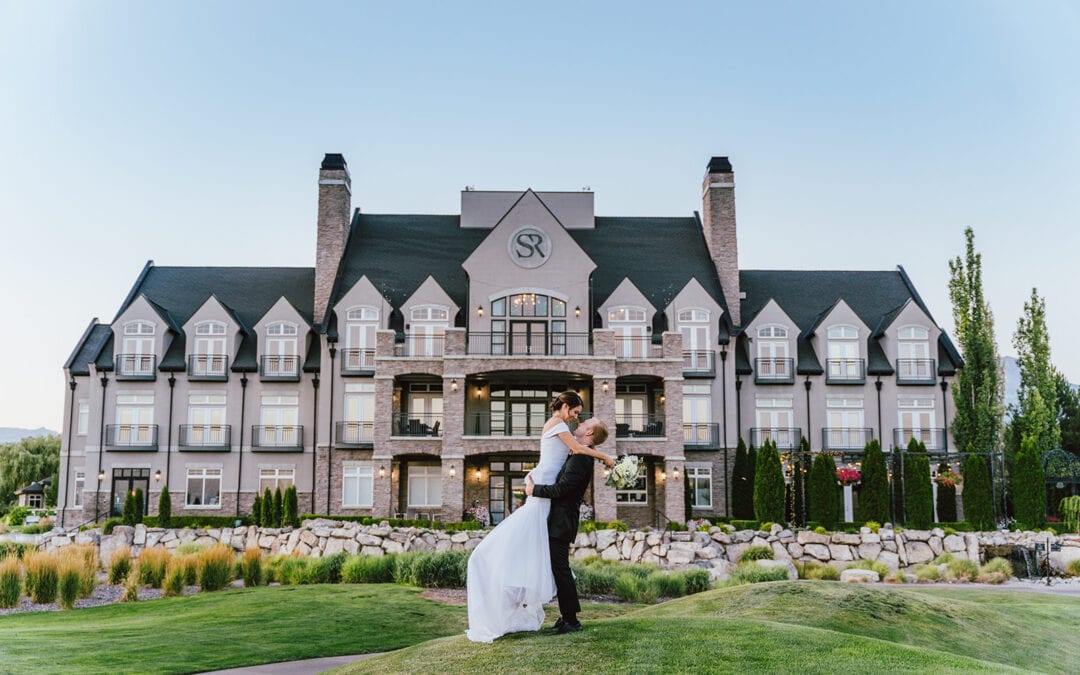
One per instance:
(787, 627)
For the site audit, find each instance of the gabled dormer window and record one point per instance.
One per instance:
(426, 330)
(694, 326)
(913, 362)
(280, 356)
(773, 360)
(844, 361)
(360, 326)
(137, 357)
(209, 357)
(629, 325)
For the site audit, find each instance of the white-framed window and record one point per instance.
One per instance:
(630, 332)
(279, 415)
(206, 419)
(697, 413)
(425, 485)
(274, 477)
(134, 419)
(427, 330)
(82, 424)
(844, 352)
(357, 485)
(846, 423)
(360, 326)
(137, 356)
(772, 352)
(281, 349)
(358, 423)
(209, 348)
(775, 419)
(138, 328)
(637, 495)
(631, 407)
(203, 488)
(700, 478)
(634, 314)
(694, 326)
(916, 416)
(35, 501)
(913, 353)
(79, 483)
(425, 406)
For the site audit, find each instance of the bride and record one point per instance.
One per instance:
(509, 577)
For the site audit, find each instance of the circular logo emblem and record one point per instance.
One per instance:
(529, 247)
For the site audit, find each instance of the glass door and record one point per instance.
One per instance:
(528, 337)
(125, 482)
(506, 487)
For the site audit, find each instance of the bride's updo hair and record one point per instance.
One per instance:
(570, 399)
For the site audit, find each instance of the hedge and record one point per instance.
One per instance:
(769, 491)
(918, 495)
(978, 508)
(824, 491)
(399, 522)
(197, 521)
(874, 492)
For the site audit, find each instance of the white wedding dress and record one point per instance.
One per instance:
(510, 576)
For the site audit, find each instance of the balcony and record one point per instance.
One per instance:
(785, 439)
(639, 426)
(277, 439)
(845, 371)
(525, 344)
(418, 424)
(277, 368)
(357, 362)
(136, 367)
(355, 434)
(208, 368)
(699, 363)
(845, 438)
(505, 424)
(633, 347)
(933, 439)
(205, 438)
(131, 437)
(916, 371)
(774, 371)
(701, 436)
(421, 346)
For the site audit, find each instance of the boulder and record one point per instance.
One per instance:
(626, 548)
(889, 559)
(954, 543)
(472, 543)
(605, 538)
(308, 537)
(795, 550)
(847, 539)
(610, 553)
(706, 553)
(805, 537)
(840, 552)
(584, 552)
(869, 550)
(859, 576)
(334, 545)
(459, 537)
(582, 539)
(351, 546)
(819, 551)
(720, 536)
(935, 545)
(736, 550)
(637, 551)
(139, 536)
(918, 552)
(391, 546)
(869, 537)
(369, 540)
(917, 535)
(779, 552)
(680, 556)
(1059, 560)
(375, 551)
(721, 570)
(653, 538)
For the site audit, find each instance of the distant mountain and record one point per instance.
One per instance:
(12, 434)
(1011, 368)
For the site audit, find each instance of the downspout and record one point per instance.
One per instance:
(330, 443)
(809, 425)
(738, 406)
(71, 412)
(723, 416)
(945, 419)
(880, 431)
(168, 434)
(240, 447)
(101, 448)
(315, 436)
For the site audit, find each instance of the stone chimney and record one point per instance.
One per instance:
(718, 221)
(335, 214)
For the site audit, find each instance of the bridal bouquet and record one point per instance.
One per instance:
(625, 473)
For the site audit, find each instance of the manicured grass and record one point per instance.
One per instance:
(786, 627)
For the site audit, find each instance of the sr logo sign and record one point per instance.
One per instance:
(529, 247)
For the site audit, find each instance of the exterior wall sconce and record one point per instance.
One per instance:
(675, 472)
(101, 475)
(479, 392)
(663, 398)
(577, 312)
(453, 472)
(477, 474)
(605, 386)
(663, 475)
(157, 475)
(453, 385)
(480, 311)
(382, 471)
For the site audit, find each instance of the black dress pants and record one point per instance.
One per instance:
(565, 587)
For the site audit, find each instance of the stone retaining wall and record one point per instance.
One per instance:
(716, 549)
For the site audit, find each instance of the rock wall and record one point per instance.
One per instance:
(716, 549)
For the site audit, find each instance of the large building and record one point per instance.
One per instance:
(408, 373)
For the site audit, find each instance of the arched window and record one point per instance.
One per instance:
(209, 350)
(913, 362)
(280, 358)
(360, 326)
(631, 341)
(845, 362)
(137, 357)
(693, 323)
(427, 330)
(528, 323)
(773, 361)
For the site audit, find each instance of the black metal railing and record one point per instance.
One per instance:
(933, 439)
(278, 368)
(535, 344)
(785, 439)
(133, 437)
(505, 424)
(774, 370)
(355, 433)
(355, 361)
(272, 438)
(420, 345)
(845, 438)
(136, 366)
(206, 437)
(208, 367)
(845, 371)
(639, 426)
(699, 363)
(701, 435)
(637, 347)
(916, 371)
(417, 424)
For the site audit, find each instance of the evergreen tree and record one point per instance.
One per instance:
(874, 491)
(1068, 414)
(164, 508)
(799, 473)
(978, 506)
(140, 505)
(256, 510)
(291, 516)
(823, 490)
(128, 517)
(769, 485)
(742, 491)
(946, 498)
(266, 518)
(1029, 496)
(896, 483)
(51, 491)
(918, 494)
(687, 507)
(279, 507)
(977, 392)
(751, 470)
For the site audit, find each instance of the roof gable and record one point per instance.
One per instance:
(431, 293)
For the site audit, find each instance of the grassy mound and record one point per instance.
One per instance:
(786, 627)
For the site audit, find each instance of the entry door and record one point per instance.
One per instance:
(528, 337)
(125, 482)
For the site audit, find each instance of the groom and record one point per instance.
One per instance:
(565, 496)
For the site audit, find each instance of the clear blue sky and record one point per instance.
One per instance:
(863, 135)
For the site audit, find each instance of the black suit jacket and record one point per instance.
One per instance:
(565, 496)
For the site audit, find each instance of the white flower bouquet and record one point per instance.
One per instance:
(625, 473)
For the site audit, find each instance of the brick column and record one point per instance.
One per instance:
(674, 491)
(454, 344)
(381, 494)
(453, 450)
(604, 410)
(453, 490)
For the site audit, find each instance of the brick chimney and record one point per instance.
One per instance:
(335, 213)
(718, 221)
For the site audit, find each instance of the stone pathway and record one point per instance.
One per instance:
(306, 667)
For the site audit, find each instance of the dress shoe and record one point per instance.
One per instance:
(559, 623)
(568, 627)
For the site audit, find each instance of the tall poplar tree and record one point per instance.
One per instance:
(1036, 414)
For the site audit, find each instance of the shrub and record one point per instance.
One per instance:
(978, 508)
(745, 524)
(873, 565)
(266, 518)
(1073, 568)
(291, 509)
(666, 584)
(742, 486)
(1029, 484)
(11, 580)
(618, 526)
(588, 526)
(754, 574)
(696, 581)
(756, 553)
(799, 473)
(119, 565)
(70, 583)
(630, 588)
(328, 570)
(131, 588)
(995, 571)
(769, 489)
(944, 559)
(279, 507)
(961, 569)
(918, 493)
(819, 572)
(874, 491)
(595, 579)
(17, 516)
(215, 567)
(110, 524)
(1069, 508)
(152, 565)
(291, 570)
(896, 578)
(824, 492)
(927, 573)
(164, 508)
(364, 569)
(85, 557)
(128, 517)
(820, 529)
(175, 576)
(251, 567)
(256, 510)
(190, 548)
(874, 526)
(439, 570)
(42, 577)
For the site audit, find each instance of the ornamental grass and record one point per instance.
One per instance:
(11, 581)
(750, 573)
(364, 569)
(119, 565)
(215, 567)
(85, 558)
(961, 570)
(175, 576)
(873, 565)
(42, 577)
(251, 567)
(131, 587)
(756, 553)
(70, 582)
(995, 571)
(1073, 568)
(152, 565)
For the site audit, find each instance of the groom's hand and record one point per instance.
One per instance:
(529, 485)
